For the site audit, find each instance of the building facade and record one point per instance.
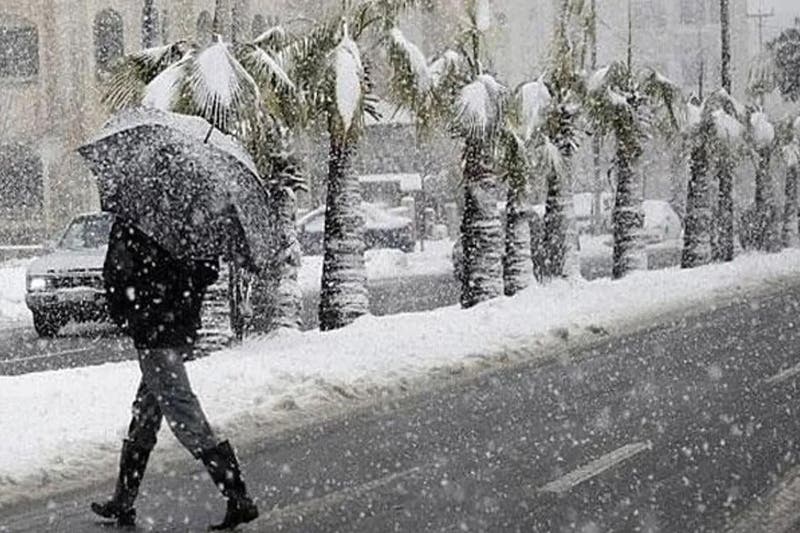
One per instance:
(54, 55)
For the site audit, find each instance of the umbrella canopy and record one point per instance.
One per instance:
(190, 188)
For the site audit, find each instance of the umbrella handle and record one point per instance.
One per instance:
(208, 135)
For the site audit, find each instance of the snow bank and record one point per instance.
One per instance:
(12, 292)
(67, 425)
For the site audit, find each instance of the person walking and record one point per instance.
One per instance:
(156, 299)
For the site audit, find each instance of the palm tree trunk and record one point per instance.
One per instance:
(726, 246)
(697, 239)
(517, 263)
(791, 239)
(287, 294)
(560, 234)
(481, 230)
(628, 217)
(766, 231)
(344, 279)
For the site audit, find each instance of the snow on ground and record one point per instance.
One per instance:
(67, 425)
(388, 264)
(12, 292)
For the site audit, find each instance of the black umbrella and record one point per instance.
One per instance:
(188, 186)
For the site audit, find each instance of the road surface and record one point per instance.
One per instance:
(680, 427)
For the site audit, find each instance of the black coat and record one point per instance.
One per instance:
(155, 298)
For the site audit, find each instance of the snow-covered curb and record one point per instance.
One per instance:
(66, 426)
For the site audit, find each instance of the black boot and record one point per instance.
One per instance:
(224, 470)
(132, 464)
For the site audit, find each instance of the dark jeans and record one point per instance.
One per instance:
(165, 391)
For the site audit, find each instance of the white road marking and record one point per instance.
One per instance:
(783, 376)
(595, 468)
(335, 498)
(45, 356)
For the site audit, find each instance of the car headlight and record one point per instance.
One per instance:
(37, 284)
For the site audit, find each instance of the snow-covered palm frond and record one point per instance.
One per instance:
(408, 58)
(267, 67)
(662, 93)
(129, 78)
(791, 154)
(445, 65)
(598, 79)
(761, 130)
(220, 87)
(274, 38)
(551, 159)
(762, 74)
(727, 128)
(164, 91)
(531, 100)
(348, 71)
(480, 107)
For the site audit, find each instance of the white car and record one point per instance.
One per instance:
(67, 283)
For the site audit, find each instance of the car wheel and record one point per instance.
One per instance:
(47, 325)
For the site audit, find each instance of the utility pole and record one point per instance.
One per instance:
(597, 200)
(725, 26)
(149, 24)
(760, 17)
(630, 35)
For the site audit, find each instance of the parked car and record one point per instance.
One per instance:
(385, 228)
(67, 283)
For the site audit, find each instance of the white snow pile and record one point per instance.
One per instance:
(67, 425)
(763, 131)
(12, 292)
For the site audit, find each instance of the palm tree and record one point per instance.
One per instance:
(712, 131)
(521, 138)
(789, 140)
(624, 103)
(455, 88)
(562, 130)
(762, 138)
(478, 120)
(333, 77)
(242, 90)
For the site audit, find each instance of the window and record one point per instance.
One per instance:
(205, 27)
(19, 50)
(21, 180)
(692, 11)
(109, 40)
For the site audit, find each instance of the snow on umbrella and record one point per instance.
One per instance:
(187, 186)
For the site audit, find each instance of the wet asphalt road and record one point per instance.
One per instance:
(677, 428)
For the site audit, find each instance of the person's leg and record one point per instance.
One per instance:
(165, 374)
(142, 435)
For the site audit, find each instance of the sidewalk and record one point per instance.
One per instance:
(67, 425)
